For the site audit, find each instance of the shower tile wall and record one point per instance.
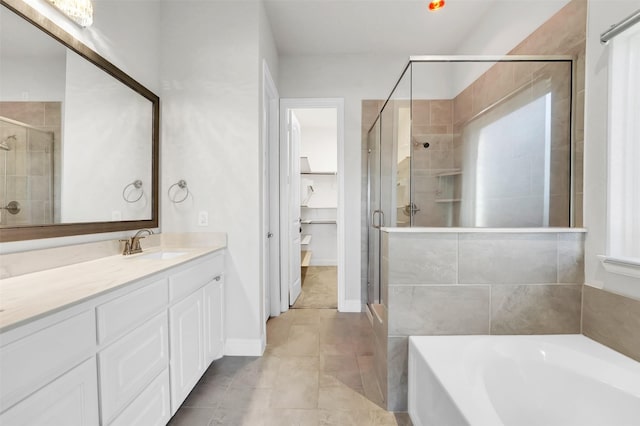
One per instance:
(434, 185)
(29, 174)
(473, 283)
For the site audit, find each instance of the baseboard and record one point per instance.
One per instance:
(351, 306)
(244, 347)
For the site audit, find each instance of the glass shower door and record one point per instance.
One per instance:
(373, 214)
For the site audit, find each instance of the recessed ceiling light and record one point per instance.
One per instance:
(436, 5)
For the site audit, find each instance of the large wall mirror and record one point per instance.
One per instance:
(78, 137)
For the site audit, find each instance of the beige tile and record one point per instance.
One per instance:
(208, 393)
(291, 417)
(571, 258)
(343, 398)
(612, 320)
(191, 416)
(349, 378)
(535, 309)
(508, 258)
(298, 394)
(422, 258)
(237, 417)
(420, 112)
(338, 362)
(31, 113)
(243, 399)
(441, 112)
(438, 310)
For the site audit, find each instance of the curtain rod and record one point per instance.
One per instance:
(621, 26)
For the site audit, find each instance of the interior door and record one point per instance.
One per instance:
(295, 226)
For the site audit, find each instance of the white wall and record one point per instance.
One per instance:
(211, 72)
(320, 146)
(601, 15)
(39, 78)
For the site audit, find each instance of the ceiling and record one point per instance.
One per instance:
(334, 27)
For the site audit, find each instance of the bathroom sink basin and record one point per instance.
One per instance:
(162, 255)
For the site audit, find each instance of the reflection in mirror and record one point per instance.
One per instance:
(75, 133)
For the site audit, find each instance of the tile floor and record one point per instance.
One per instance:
(317, 370)
(319, 288)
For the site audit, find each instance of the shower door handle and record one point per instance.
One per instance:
(373, 219)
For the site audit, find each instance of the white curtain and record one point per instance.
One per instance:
(624, 145)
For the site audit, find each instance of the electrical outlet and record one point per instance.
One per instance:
(203, 218)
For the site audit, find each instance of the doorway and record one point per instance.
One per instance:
(312, 194)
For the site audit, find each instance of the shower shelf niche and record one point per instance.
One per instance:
(448, 185)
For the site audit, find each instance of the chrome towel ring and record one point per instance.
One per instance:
(136, 184)
(182, 185)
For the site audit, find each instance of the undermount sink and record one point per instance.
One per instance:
(162, 255)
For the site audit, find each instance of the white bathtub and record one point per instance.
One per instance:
(555, 380)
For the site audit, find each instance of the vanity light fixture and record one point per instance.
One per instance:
(79, 11)
(436, 5)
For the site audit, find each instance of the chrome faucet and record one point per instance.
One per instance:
(132, 245)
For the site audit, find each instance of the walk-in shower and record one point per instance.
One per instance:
(26, 174)
(473, 142)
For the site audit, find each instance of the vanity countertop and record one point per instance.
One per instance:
(28, 297)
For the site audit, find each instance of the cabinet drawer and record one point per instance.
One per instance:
(151, 407)
(70, 400)
(122, 314)
(128, 365)
(35, 360)
(186, 282)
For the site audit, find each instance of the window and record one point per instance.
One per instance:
(624, 149)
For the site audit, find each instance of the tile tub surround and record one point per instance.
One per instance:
(26, 297)
(484, 281)
(612, 320)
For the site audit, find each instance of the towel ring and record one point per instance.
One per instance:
(137, 184)
(181, 184)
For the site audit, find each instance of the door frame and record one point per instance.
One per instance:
(270, 196)
(338, 105)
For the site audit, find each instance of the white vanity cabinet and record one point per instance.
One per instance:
(134, 338)
(48, 377)
(127, 357)
(70, 400)
(195, 323)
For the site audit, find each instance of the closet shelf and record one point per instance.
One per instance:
(318, 222)
(449, 172)
(448, 200)
(319, 173)
(306, 240)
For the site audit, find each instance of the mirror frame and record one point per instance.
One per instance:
(19, 233)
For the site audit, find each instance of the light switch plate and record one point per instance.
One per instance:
(203, 218)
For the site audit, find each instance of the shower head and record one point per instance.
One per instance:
(4, 145)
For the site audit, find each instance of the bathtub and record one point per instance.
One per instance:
(550, 380)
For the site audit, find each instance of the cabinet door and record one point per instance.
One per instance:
(131, 363)
(213, 319)
(150, 408)
(186, 320)
(70, 400)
